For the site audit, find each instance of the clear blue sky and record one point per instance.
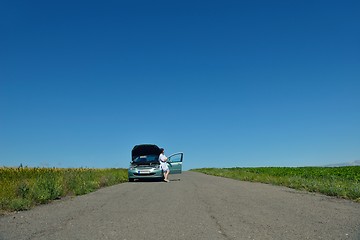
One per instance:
(229, 83)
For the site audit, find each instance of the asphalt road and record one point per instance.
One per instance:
(196, 207)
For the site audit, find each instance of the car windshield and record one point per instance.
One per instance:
(147, 159)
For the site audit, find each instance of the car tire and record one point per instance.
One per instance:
(131, 179)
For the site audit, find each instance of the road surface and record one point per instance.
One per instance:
(196, 207)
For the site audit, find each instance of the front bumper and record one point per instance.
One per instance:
(145, 173)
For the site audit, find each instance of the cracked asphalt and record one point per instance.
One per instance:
(195, 207)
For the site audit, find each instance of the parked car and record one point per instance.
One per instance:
(145, 163)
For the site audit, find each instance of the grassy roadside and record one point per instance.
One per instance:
(22, 188)
(342, 182)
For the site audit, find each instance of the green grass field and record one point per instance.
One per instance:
(22, 188)
(342, 182)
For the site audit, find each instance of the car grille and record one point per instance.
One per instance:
(144, 174)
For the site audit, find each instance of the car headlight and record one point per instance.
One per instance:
(131, 168)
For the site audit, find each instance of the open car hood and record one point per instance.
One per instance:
(144, 149)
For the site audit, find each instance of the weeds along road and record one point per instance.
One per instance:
(196, 207)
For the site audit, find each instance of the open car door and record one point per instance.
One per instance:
(175, 163)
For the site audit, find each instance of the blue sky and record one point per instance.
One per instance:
(229, 83)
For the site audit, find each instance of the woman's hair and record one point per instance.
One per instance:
(161, 150)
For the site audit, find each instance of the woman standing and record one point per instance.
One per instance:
(163, 165)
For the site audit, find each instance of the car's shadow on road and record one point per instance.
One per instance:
(147, 180)
(154, 180)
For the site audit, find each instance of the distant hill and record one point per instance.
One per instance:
(354, 163)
